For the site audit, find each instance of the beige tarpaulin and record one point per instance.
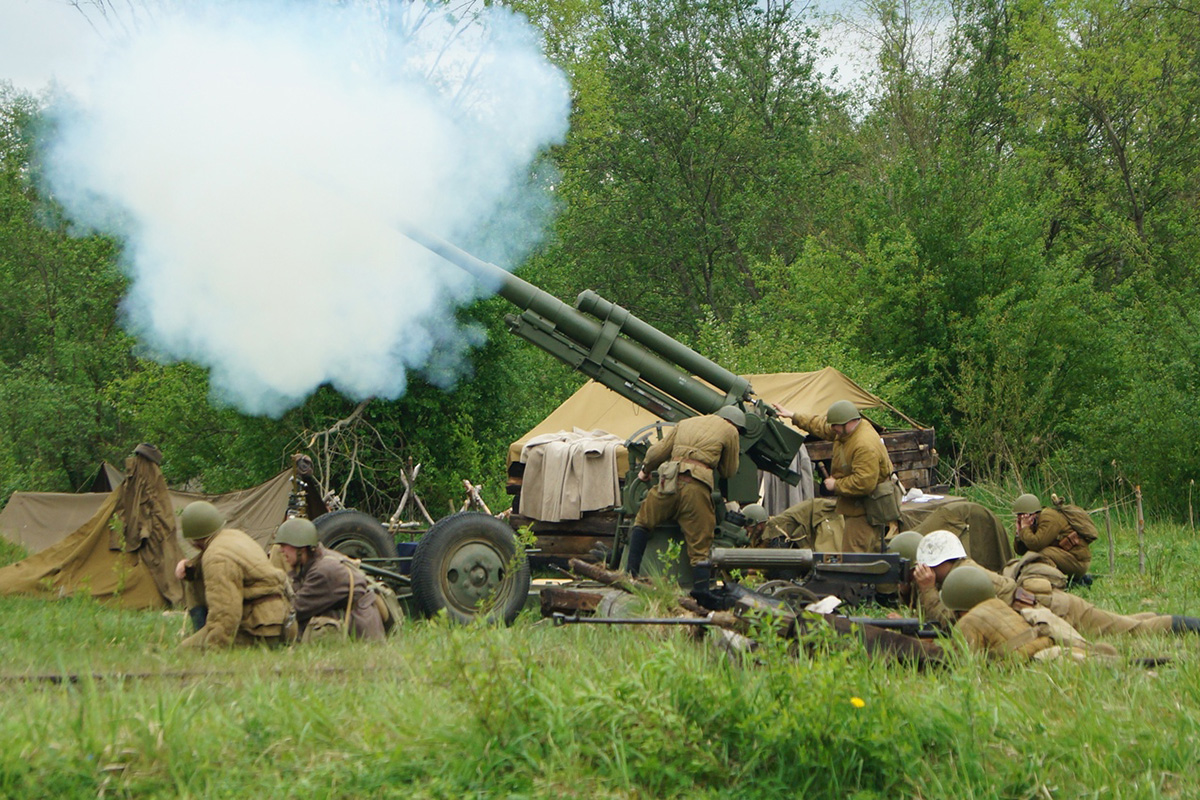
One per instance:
(125, 553)
(595, 407)
(38, 520)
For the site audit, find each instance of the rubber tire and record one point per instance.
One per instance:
(438, 552)
(355, 534)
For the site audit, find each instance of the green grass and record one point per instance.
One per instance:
(99, 702)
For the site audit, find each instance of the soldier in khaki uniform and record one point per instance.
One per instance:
(941, 552)
(994, 628)
(248, 600)
(699, 449)
(814, 524)
(1047, 531)
(756, 525)
(860, 464)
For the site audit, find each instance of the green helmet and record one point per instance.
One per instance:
(733, 414)
(966, 587)
(755, 513)
(298, 532)
(1027, 504)
(842, 412)
(905, 543)
(201, 519)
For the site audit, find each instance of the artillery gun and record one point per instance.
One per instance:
(468, 557)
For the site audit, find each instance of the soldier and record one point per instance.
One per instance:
(996, 629)
(331, 593)
(756, 523)
(1049, 532)
(860, 469)
(247, 599)
(941, 552)
(814, 524)
(691, 456)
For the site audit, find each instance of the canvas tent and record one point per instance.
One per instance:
(594, 407)
(122, 546)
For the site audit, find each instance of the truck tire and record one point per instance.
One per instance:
(355, 534)
(464, 564)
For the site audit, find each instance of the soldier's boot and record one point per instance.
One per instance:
(639, 537)
(700, 579)
(1185, 624)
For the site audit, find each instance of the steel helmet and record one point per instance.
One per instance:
(939, 547)
(733, 414)
(201, 519)
(966, 587)
(906, 543)
(755, 513)
(1027, 504)
(842, 412)
(298, 532)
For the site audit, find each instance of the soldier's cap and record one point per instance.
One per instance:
(939, 547)
(149, 452)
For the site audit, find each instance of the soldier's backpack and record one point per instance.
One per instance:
(1079, 520)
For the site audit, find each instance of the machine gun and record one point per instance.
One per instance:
(856, 578)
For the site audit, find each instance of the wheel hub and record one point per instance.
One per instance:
(473, 572)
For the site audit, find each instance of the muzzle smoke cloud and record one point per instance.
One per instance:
(255, 157)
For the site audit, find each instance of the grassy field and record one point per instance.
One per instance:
(98, 702)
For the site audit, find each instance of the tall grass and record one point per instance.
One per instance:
(99, 702)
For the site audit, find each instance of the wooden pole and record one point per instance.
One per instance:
(1141, 531)
(1112, 553)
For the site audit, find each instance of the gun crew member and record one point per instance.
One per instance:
(756, 524)
(1049, 531)
(332, 594)
(992, 627)
(814, 524)
(688, 459)
(861, 472)
(247, 599)
(941, 553)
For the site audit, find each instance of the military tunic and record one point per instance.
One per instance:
(813, 524)
(705, 447)
(1079, 613)
(247, 598)
(322, 588)
(1053, 537)
(860, 463)
(995, 629)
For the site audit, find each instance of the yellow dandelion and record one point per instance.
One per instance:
(857, 702)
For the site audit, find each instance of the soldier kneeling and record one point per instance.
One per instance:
(332, 594)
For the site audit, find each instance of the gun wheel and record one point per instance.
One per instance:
(789, 592)
(466, 564)
(355, 534)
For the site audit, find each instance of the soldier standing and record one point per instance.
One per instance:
(860, 468)
(689, 459)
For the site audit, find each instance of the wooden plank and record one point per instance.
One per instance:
(567, 601)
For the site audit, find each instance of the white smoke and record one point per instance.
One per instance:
(255, 158)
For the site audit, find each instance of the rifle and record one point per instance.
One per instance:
(906, 625)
